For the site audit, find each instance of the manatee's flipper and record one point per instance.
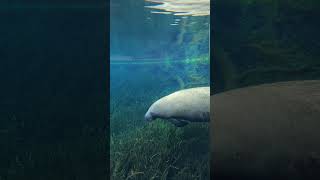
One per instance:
(177, 122)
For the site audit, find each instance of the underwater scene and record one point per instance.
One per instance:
(266, 89)
(157, 47)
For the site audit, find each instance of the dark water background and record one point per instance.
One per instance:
(267, 41)
(264, 41)
(53, 100)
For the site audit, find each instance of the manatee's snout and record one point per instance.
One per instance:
(148, 116)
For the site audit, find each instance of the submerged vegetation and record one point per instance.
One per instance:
(161, 151)
(155, 150)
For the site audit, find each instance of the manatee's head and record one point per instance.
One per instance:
(151, 113)
(148, 116)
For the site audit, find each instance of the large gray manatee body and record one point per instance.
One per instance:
(270, 131)
(182, 107)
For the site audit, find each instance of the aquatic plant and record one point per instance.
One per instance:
(161, 151)
(157, 150)
(201, 60)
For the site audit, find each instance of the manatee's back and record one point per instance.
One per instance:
(267, 129)
(190, 104)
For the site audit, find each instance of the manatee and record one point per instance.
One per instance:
(269, 131)
(182, 107)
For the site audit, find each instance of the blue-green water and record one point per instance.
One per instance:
(153, 55)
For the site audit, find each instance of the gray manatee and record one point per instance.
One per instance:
(182, 107)
(269, 131)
